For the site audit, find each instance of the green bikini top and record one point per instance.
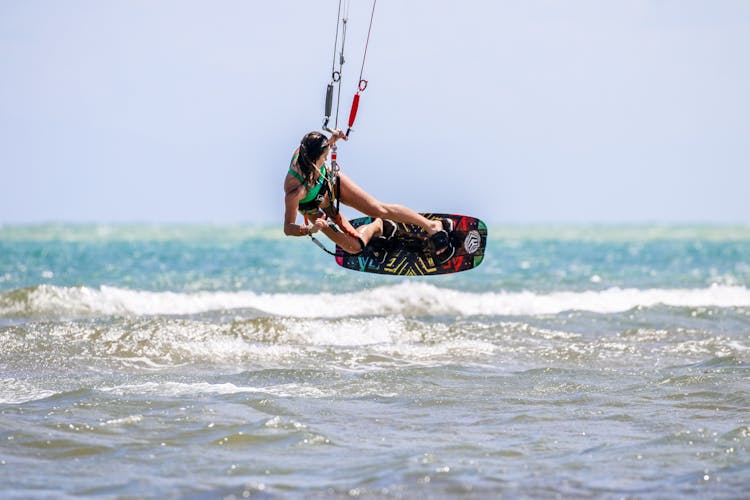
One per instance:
(312, 193)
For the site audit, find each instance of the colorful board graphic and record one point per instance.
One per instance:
(408, 252)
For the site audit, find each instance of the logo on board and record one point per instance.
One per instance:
(472, 242)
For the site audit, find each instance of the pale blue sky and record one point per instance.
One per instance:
(514, 111)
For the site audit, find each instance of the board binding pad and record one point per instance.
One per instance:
(408, 252)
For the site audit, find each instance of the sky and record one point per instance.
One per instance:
(517, 112)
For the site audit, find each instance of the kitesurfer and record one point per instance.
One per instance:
(313, 189)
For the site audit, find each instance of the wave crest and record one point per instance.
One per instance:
(408, 299)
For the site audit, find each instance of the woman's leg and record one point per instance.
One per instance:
(357, 198)
(346, 239)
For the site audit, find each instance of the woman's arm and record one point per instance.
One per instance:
(291, 201)
(291, 228)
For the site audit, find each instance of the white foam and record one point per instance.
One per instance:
(180, 389)
(409, 299)
(349, 332)
(177, 389)
(132, 419)
(443, 351)
(13, 391)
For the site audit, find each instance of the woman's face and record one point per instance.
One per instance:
(323, 156)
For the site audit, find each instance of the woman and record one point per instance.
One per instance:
(315, 191)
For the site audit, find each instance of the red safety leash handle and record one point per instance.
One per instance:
(353, 112)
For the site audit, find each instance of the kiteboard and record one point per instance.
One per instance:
(409, 253)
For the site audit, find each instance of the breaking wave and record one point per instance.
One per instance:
(408, 299)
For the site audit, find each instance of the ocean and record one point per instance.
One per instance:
(233, 362)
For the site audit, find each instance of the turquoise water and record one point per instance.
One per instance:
(217, 361)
